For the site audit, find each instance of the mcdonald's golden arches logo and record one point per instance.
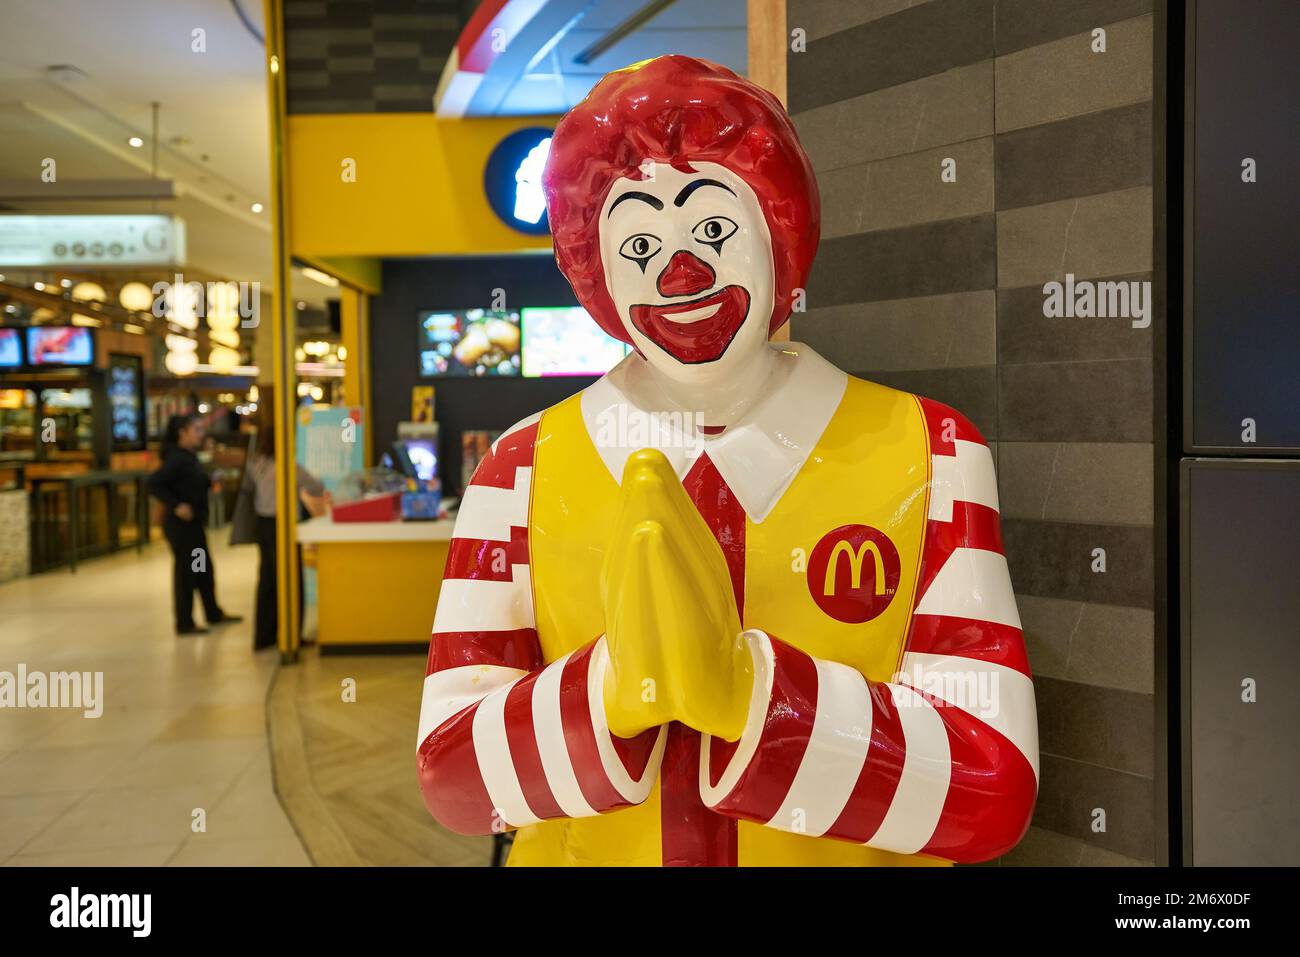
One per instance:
(853, 573)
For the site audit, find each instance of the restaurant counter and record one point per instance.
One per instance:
(377, 583)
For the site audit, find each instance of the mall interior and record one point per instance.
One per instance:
(306, 242)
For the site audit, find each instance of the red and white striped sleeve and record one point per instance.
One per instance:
(505, 738)
(943, 760)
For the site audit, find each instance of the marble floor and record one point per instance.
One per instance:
(177, 769)
(205, 753)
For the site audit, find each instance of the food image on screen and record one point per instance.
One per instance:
(11, 354)
(59, 346)
(475, 342)
(565, 340)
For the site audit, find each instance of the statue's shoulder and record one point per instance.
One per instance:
(942, 422)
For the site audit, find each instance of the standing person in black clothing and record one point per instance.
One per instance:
(260, 472)
(182, 486)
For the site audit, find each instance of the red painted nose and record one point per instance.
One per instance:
(685, 275)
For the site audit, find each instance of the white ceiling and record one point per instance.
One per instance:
(212, 117)
(525, 81)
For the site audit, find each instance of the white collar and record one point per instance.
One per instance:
(758, 456)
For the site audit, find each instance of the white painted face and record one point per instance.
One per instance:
(688, 263)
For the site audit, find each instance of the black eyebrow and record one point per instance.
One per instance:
(689, 188)
(644, 197)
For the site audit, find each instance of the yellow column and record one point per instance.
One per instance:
(354, 311)
(282, 348)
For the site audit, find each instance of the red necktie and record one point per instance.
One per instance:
(692, 835)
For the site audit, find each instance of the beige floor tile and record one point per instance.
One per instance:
(127, 817)
(249, 810)
(37, 771)
(183, 725)
(175, 763)
(142, 855)
(22, 727)
(25, 816)
(281, 852)
(218, 721)
(116, 728)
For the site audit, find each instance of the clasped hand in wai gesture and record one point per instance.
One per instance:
(674, 637)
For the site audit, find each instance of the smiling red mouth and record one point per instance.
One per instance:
(699, 330)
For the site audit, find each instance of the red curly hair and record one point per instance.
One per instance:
(678, 110)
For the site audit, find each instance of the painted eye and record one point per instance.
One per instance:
(714, 231)
(640, 248)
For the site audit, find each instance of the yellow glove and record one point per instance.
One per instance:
(675, 646)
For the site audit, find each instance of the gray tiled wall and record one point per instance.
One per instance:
(937, 288)
(368, 56)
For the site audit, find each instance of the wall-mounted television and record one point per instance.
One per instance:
(60, 346)
(469, 343)
(11, 348)
(565, 340)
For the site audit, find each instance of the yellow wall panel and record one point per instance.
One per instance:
(418, 188)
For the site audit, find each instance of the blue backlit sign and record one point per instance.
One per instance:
(513, 180)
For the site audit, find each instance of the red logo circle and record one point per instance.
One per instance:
(853, 573)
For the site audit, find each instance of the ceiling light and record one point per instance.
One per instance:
(135, 142)
(181, 363)
(65, 283)
(89, 292)
(325, 279)
(136, 296)
(256, 207)
(223, 359)
(38, 286)
(182, 305)
(65, 73)
(224, 337)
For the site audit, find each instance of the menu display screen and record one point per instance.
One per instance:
(11, 348)
(423, 454)
(60, 346)
(126, 402)
(565, 340)
(469, 343)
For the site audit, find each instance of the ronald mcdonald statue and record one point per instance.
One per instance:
(728, 605)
